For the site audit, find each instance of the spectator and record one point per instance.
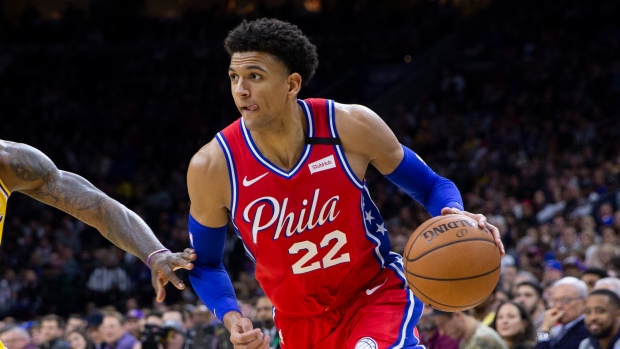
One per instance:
(207, 332)
(602, 320)
(52, 331)
(512, 322)
(471, 333)
(566, 306)
(553, 271)
(573, 266)
(608, 283)
(591, 275)
(132, 322)
(75, 322)
(108, 283)
(176, 315)
(15, 337)
(429, 334)
(36, 334)
(78, 339)
(176, 334)
(113, 333)
(93, 329)
(530, 295)
(484, 312)
(264, 317)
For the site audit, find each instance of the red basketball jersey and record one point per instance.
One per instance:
(315, 236)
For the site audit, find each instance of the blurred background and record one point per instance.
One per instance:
(518, 102)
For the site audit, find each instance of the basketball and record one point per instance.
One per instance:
(451, 263)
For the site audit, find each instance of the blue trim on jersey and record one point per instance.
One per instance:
(232, 173)
(263, 160)
(425, 186)
(331, 111)
(374, 226)
(245, 247)
(412, 314)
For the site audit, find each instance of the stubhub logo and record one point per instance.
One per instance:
(322, 164)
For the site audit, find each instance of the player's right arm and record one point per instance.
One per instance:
(209, 191)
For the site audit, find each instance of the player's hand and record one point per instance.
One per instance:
(552, 316)
(244, 336)
(163, 266)
(482, 222)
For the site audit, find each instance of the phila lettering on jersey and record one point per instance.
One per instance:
(314, 233)
(4, 198)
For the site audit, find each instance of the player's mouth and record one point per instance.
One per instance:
(594, 327)
(249, 108)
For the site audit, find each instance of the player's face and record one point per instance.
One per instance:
(600, 316)
(260, 87)
(509, 322)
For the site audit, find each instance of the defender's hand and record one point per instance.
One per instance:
(163, 266)
(482, 222)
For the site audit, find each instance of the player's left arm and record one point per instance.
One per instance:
(34, 174)
(367, 139)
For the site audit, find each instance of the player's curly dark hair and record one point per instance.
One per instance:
(283, 40)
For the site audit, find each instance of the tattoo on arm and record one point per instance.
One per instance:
(57, 188)
(27, 165)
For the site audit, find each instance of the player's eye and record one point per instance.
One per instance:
(233, 77)
(255, 76)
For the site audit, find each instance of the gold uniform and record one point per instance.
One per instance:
(4, 198)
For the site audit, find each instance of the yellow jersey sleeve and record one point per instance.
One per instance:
(4, 198)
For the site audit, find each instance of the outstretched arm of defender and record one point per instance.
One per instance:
(33, 173)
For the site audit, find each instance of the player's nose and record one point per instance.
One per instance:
(241, 89)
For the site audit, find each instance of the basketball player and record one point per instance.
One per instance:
(290, 174)
(27, 170)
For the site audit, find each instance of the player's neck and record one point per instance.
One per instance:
(283, 142)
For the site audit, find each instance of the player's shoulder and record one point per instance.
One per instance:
(357, 121)
(24, 167)
(353, 110)
(209, 158)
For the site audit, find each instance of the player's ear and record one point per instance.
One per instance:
(294, 84)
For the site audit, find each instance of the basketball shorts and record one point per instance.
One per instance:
(381, 317)
(2, 345)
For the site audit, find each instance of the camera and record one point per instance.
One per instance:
(153, 335)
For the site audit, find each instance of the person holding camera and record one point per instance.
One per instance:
(207, 332)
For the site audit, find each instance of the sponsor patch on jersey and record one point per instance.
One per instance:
(366, 343)
(322, 164)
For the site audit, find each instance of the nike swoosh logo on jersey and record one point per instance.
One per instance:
(372, 290)
(247, 183)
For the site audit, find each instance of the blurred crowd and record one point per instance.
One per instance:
(525, 121)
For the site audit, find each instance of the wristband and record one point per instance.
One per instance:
(148, 259)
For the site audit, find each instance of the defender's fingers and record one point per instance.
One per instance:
(189, 254)
(180, 263)
(167, 274)
(161, 294)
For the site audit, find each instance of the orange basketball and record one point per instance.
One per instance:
(451, 263)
